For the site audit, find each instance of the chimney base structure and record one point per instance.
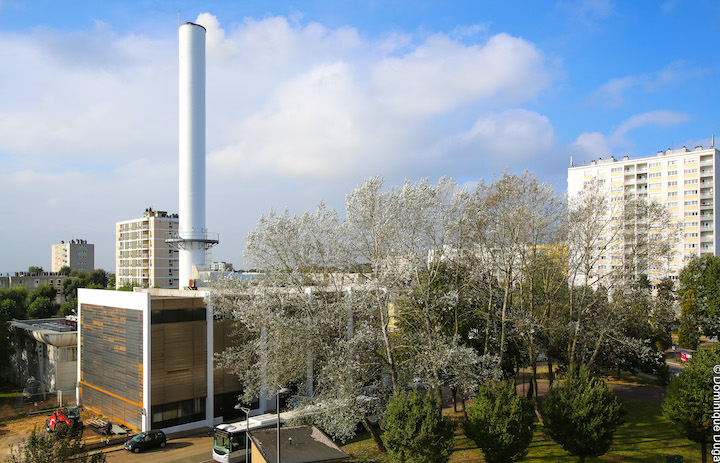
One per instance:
(192, 239)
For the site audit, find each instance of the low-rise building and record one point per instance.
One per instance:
(32, 280)
(46, 350)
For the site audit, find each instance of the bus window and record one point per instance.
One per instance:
(238, 441)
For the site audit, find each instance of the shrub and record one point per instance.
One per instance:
(582, 415)
(415, 430)
(501, 423)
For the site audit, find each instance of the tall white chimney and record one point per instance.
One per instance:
(192, 239)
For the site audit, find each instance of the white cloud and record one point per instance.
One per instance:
(442, 74)
(612, 93)
(511, 136)
(591, 145)
(301, 109)
(596, 144)
(659, 117)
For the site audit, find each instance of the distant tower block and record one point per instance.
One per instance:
(192, 239)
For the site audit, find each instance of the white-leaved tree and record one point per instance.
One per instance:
(328, 318)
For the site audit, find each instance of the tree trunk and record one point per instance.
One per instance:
(369, 427)
(453, 390)
(462, 401)
(703, 451)
(506, 298)
(551, 374)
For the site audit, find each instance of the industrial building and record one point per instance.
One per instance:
(46, 351)
(142, 256)
(76, 254)
(146, 359)
(681, 179)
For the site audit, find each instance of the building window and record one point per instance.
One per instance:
(672, 193)
(673, 183)
(176, 413)
(655, 174)
(655, 164)
(691, 181)
(690, 192)
(691, 171)
(672, 163)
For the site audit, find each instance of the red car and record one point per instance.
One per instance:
(68, 417)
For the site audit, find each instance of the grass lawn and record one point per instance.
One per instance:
(645, 437)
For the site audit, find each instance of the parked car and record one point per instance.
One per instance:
(146, 440)
(67, 417)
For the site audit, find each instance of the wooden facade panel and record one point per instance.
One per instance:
(179, 359)
(112, 353)
(119, 410)
(224, 381)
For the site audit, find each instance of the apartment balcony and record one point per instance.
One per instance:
(706, 173)
(706, 163)
(707, 239)
(706, 184)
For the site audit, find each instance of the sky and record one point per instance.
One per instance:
(305, 100)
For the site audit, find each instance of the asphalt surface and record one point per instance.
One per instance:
(190, 449)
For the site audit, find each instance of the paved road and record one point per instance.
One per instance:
(192, 449)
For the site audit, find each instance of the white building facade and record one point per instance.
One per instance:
(142, 257)
(681, 179)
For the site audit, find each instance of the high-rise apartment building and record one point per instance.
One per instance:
(76, 254)
(683, 180)
(142, 257)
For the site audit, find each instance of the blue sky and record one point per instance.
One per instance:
(306, 99)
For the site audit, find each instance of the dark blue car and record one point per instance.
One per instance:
(146, 440)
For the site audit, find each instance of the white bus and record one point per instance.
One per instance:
(230, 439)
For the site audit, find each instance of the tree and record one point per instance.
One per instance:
(501, 423)
(42, 307)
(702, 277)
(65, 270)
(690, 401)
(415, 430)
(612, 245)
(61, 447)
(45, 291)
(34, 269)
(582, 415)
(321, 318)
(688, 335)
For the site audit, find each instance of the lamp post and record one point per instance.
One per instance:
(247, 430)
(283, 390)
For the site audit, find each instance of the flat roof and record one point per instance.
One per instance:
(55, 325)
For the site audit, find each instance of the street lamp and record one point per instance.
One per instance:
(247, 430)
(277, 406)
